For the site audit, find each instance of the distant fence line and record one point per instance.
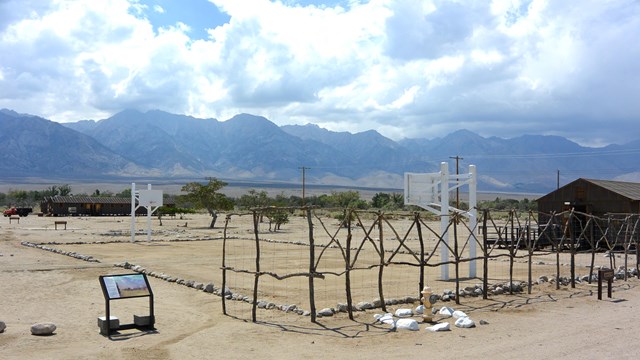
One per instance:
(512, 235)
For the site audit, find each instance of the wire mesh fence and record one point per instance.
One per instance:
(346, 260)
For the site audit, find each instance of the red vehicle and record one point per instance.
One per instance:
(17, 211)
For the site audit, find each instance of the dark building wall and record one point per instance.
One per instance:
(594, 197)
(585, 196)
(89, 207)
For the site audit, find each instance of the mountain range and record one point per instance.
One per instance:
(157, 144)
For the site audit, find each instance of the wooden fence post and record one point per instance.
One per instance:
(511, 251)
(558, 245)
(347, 274)
(485, 258)
(224, 264)
(593, 248)
(256, 279)
(454, 219)
(312, 268)
(530, 249)
(573, 250)
(381, 269)
(627, 245)
(637, 236)
(416, 219)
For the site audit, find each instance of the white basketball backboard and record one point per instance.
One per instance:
(421, 189)
(150, 198)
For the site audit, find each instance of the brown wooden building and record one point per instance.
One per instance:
(604, 199)
(595, 197)
(88, 206)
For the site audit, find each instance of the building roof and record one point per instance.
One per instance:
(82, 199)
(72, 199)
(629, 190)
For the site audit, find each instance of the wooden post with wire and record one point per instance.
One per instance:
(303, 168)
(457, 179)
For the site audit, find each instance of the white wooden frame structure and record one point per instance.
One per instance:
(150, 199)
(425, 189)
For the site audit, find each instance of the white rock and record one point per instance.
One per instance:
(419, 310)
(446, 311)
(465, 322)
(384, 318)
(43, 328)
(407, 324)
(459, 314)
(326, 312)
(439, 327)
(404, 313)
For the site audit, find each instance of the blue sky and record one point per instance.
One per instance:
(406, 68)
(200, 15)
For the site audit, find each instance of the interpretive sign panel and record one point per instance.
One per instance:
(606, 274)
(124, 286)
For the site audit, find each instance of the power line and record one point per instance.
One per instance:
(557, 155)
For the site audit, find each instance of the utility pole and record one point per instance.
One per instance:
(457, 180)
(303, 168)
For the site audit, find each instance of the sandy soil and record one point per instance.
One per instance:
(42, 286)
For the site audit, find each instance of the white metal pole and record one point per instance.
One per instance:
(444, 219)
(148, 217)
(133, 212)
(473, 218)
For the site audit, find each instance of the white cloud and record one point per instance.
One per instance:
(406, 67)
(486, 57)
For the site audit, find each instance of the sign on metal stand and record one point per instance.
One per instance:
(125, 286)
(605, 275)
(430, 191)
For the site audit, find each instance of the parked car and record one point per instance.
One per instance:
(17, 211)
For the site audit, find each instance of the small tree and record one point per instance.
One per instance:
(19, 197)
(64, 190)
(380, 200)
(385, 201)
(50, 191)
(346, 199)
(126, 193)
(253, 199)
(207, 197)
(277, 218)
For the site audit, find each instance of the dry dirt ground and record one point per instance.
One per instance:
(42, 286)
